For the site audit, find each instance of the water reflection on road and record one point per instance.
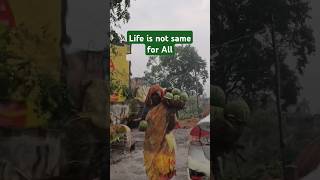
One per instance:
(125, 165)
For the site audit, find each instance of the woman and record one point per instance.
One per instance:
(159, 144)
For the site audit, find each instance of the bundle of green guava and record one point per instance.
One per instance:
(229, 118)
(175, 98)
(143, 126)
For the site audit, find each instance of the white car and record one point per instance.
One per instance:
(198, 163)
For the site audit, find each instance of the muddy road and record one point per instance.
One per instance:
(129, 165)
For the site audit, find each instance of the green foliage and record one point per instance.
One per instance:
(118, 14)
(21, 79)
(261, 150)
(117, 86)
(119, 11)
(54, 100)
(261, 142)
(185, 70)
(191, 110)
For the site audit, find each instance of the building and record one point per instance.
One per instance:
(137, 82)
(79, 69)
(119, 72)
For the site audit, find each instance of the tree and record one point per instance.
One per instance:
(24, 77)
(185, 70)
(244, 64)
(118, 14)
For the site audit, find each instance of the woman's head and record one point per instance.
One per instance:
(154, 96)
(155, 99)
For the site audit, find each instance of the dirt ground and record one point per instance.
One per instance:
(129, 165)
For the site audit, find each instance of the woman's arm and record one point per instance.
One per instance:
(171, 120)
(144, 113)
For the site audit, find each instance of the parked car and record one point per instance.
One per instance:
(198, 164)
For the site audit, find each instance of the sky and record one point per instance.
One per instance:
(169, 15)
(310, 81)
(86, 26)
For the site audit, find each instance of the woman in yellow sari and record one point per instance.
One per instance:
(159, 144)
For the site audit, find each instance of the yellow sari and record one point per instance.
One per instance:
(159, 146)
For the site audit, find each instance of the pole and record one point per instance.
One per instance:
(277, 78)
(197, 94)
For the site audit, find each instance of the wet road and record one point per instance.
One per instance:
(125, 165)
